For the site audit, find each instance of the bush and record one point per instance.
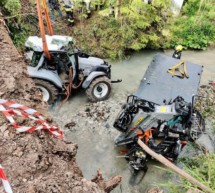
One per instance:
(16, 22)
(202, 168)
(139, 26)
(11, 6)
(195, 28)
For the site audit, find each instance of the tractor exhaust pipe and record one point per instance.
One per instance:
(116, 81)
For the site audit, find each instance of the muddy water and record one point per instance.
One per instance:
(96, 147)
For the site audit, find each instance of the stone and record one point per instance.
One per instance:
(107, 125)
(205, 143)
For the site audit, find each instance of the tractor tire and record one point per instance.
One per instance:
(48, 90)
(99, 89)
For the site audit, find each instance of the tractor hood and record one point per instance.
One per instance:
(55, 42)
(158, 85)
(89, 61)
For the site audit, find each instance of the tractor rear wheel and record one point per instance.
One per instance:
(48, 90)
(99, 89)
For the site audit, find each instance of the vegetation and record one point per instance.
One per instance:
(196, 27)
(135, 26)
(16, 21)
(139, 25)
(202, 168)
(11, 6)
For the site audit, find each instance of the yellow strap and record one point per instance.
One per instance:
(176, 68)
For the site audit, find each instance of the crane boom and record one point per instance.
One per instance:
(42, 27)
(48, 21)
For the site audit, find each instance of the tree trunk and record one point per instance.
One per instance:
(118, 6)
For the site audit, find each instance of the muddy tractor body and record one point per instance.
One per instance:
(67, 70)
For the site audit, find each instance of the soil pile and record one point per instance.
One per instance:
(35, 162)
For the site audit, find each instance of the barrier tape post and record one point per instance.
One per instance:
(5, 182)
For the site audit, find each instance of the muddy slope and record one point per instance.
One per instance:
(34, 162)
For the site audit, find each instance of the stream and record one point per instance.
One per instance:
(95, 136)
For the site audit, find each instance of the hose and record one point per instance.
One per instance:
(70, 86)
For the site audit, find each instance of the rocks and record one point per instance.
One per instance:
(155, 190)
(18, 152)
(205, 144)
(206, 105)
(107, 125)
(91, 117)
(71, 124)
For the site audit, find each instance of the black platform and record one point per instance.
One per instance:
(158, 85)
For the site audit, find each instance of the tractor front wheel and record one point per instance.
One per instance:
(99, 89)
(49, 91)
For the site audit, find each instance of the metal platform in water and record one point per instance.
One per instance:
(158, 85)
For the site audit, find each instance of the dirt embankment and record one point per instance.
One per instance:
(35, 162)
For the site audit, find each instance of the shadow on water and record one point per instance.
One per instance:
(96, 148)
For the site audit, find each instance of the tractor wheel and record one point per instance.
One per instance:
(99, 89)
(48, 90)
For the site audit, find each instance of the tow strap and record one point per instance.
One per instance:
(179, 70)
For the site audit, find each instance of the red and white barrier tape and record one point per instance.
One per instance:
(5, 182)
(27, 113)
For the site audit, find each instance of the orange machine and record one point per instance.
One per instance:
(42, 27)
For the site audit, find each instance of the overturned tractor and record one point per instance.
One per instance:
(161, 113)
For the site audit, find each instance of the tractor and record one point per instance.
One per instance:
(58, 67)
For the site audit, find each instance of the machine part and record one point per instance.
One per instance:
(177, 149)
(198, 125)
(137, 175)
(69, 85)
(91, 77)
(99, 89)
(176, 68)
(137, 165)
(165, 87)
(46, 75)
(49, 91)
(116, 81)
(42, 27)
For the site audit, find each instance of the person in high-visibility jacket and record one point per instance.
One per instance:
(69, 7)
(177, 52)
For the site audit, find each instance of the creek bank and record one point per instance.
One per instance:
(36, 162)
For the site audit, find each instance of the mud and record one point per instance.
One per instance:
(35, 162)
